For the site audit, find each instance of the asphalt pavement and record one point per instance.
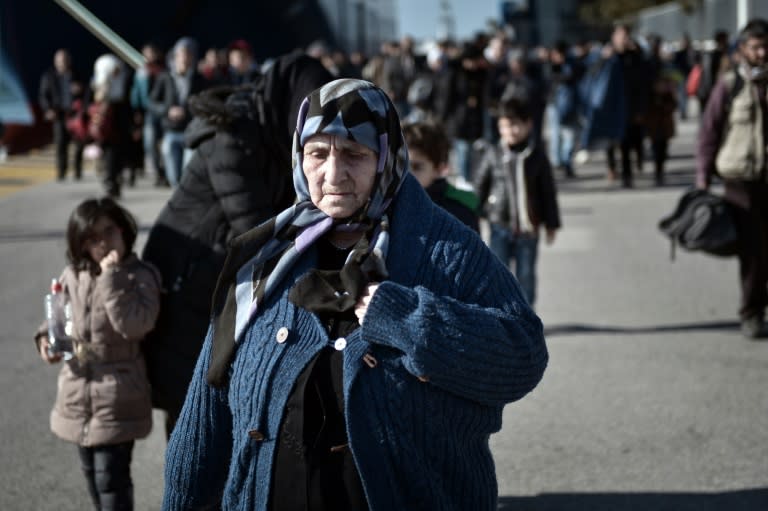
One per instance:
(652, 399)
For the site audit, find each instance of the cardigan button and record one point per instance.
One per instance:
(282, 335)
(256, 435)
(340, 344)
(370, 360)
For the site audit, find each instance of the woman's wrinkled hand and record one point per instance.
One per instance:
(361, 307)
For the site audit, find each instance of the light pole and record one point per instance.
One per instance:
(105, 34)
(446, 21)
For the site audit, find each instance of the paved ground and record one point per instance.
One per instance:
(19, 172)
(652, 400)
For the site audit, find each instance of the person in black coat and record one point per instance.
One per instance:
(239, 176)
(242, 65)
(169, 102)
(59, 89)
(637, 94)
(465, 102)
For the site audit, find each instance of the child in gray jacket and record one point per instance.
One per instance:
(103, 400)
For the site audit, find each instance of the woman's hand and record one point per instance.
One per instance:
(361, 307)
(43, 346)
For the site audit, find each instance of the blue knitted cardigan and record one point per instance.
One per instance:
(450, 313)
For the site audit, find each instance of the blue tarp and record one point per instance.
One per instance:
(14, 106)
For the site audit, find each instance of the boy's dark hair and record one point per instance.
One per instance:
(80, 227)
(430, 139)
(626, 27)
(514, 108)
(756, 28)
(561, 46)
(721, 37)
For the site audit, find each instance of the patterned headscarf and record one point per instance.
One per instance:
(259, 260)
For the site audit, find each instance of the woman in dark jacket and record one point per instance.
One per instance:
(236, 180)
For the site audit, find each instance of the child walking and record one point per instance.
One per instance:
(428, 148)
(103, 401)
(517, 194)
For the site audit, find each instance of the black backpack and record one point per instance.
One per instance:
(701, 221)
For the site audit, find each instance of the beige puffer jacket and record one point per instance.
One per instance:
(103, 394)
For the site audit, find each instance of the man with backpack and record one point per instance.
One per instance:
(732, 145)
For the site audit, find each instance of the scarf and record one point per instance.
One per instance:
(514, 159)
(260, 259)
(757, 74)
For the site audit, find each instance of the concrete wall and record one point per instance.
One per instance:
(671, 22)
(361, 22)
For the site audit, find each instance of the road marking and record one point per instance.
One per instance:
(23, 171)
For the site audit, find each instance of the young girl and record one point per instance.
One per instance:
(103, 402)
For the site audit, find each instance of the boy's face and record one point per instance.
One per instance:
(514, 131)
(755, 51)
(422, 167)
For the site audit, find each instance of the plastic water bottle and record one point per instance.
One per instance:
(58, 312)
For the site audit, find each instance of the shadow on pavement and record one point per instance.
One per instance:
(580, 328)
(682, 156)
(590, 181)
(741, 500)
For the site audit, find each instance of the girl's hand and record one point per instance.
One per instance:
(361, 307)
(109, 260)
(43, 345)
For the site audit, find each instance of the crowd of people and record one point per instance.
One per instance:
(587, 95)
(285, 321)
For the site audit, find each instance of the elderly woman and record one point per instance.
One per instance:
(363, 342)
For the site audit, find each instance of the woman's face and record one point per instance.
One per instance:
(105, 236)
(340, 174)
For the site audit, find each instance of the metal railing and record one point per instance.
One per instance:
(105, 34)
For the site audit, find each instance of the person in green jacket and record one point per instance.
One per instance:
(429, 147)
